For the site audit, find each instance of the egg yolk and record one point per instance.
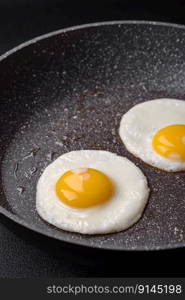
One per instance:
(169, 142)
(84, 187)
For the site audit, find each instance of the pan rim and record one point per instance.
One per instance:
(34, 228)
(88, 25)
(23, 223)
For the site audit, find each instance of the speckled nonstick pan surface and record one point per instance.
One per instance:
(67, 91)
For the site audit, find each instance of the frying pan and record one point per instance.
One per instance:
(67, 90)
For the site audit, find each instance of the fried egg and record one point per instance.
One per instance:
(154, 131)
(91, 192)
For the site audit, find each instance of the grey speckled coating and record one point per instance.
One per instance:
(67, 91)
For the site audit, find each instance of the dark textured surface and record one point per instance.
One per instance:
(68, 92)
(21, 20)
(26, 254)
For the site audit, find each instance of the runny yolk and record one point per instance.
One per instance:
(169, 142)
(84, 187)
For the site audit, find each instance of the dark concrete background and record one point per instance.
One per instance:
(27, 254)
(21, 20)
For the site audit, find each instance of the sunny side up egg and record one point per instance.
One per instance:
(91, 192)
(154, 131)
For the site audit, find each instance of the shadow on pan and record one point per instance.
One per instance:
(67, 91)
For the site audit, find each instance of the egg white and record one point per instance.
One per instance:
(141, 122)
(120, 212)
